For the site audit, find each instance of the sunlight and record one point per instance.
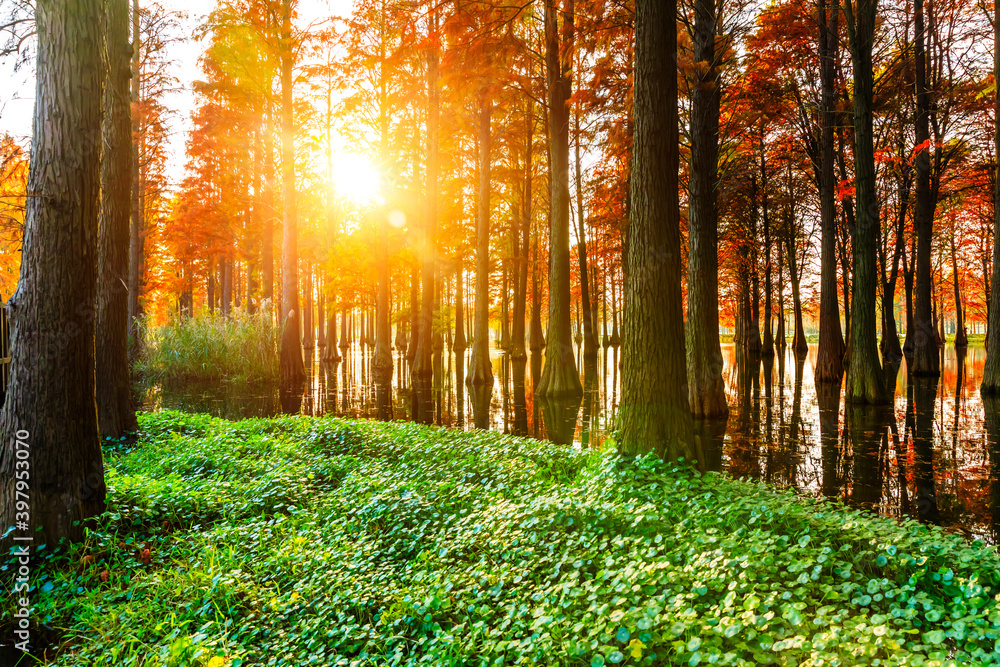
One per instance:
(355, 178)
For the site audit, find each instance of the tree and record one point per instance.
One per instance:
(925, 350)
(480, 366)
(830, 354)
(707, 394)
(559, 375)
(136, 227)
(292, 368)
(115, 411)
(655, 414)
(865, 382)
(50, 411)
(991, 370)
(422, 371)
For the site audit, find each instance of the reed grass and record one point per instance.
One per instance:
(242, 349)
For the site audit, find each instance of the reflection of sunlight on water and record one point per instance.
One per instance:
(773, 434)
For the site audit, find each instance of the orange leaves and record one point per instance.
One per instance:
(844, 190)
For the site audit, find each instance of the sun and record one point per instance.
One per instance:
(355, 178)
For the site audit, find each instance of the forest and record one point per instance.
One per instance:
(465, 332)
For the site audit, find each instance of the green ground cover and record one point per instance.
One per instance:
(300, 541)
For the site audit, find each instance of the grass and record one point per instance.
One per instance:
(297, 541)
(211, 348)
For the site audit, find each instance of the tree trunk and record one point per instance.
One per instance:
(559, 375)
(890, 348)
(211, 286)
(308, 338)
(654, 413)
(267, 243)
(115, 411)
(780, 341)
(136, 226)
(411, 349)
(908, 271)
(589, 339)
(292, 368)
(459, 343)
(830, 354)
(518, 349)
(254, 235)
(320, 313)
(382, 362)
(50, 412)
(865, 381)
(480, 365)
(706, 390)
(767, 345)
(423, 370)
(991, 369)
(925, 352)
(519, 354)
(226, 265)
(536, 337)
(799, 343)
(961, 340)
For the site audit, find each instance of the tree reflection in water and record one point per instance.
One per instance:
(931, 456)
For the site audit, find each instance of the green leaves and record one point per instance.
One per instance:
(296, 541)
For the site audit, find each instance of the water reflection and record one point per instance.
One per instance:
(930, 455)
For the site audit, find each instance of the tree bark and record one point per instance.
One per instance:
(320, 313)
(292, 368)
(382, 362)
(308, 336)
(115, 410)
(423, 369)
(706, 390)
(50, 412)
(136, 226)
(589, 339)
(559, 375)
(480, 365)
(226, 266)
(767, 345)
(654, 413)
(799, 343)
(961, 340)
(991, 369)
(865, 380)
(267, 243)
(908, 275)
(890, 348)
(830, 354)
(925, 351)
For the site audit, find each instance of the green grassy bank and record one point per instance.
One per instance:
(300, 541)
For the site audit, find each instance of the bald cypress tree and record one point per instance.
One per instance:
(50, 412)
(655, 414)
(292, 367)
(991, 371)
(115, 409)
(865, 382)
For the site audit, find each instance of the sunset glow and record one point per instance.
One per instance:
(355, 178)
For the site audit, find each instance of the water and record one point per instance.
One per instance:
(927, 456)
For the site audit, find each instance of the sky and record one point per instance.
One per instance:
(18, 97)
